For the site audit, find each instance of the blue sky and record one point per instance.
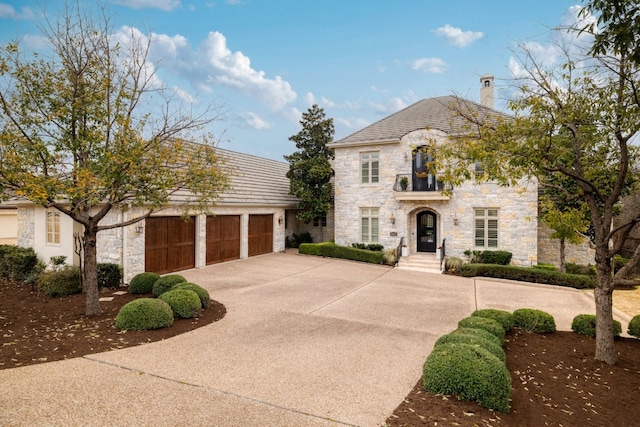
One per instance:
(266, 62)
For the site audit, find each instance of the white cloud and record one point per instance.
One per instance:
(355, 123)
(212, 64)
(429, 65)
(233, 69)
(166, 5)
(389, 107)
(254, 121)
(310, 98)
(9, 12)
(457, 37)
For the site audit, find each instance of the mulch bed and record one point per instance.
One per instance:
(555, 382)
(37, 329)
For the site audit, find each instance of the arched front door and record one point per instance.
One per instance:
(427, 232)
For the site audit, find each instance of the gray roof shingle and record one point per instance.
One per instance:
(434, 113)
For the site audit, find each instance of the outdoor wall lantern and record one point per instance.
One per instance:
(280, 220)
(455, 219)
(139, 228)
(392, 218)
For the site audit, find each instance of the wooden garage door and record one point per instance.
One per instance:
(223, 238)
(170, 244)
(260, 234)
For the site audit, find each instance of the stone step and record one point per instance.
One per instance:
(427, 263)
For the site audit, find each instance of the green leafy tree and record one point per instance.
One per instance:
(574, 122)
(310, 169)
(80, 132)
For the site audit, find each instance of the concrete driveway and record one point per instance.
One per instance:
(306, 341)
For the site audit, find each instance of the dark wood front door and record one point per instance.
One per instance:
(170, 244)
(223, 238)
(427, 232)
(260, 234)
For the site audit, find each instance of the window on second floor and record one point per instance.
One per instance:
(369, 167)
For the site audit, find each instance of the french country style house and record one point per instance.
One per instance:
(384, 194)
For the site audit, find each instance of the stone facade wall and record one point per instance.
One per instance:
(26, 226)
(455, 217)
(549, 250)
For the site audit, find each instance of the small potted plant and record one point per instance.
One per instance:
(404, 183)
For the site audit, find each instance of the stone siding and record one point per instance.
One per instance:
(549, 250)
(517, 205)
(26, 226)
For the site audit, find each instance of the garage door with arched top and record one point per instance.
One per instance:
(170, 244)
(260, 234)
(223, 238)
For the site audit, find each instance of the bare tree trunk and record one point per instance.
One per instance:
(563, 264)
(605, 348)
(90, 272)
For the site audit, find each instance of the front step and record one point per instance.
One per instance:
(425, 262)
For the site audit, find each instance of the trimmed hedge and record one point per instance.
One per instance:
(472, 339)
(535, 275)
(202, 293)
(166, 283)
(59, 283)
(331, 250)
(17, 263)
(109, 275)
(585, 324)
(495, 257)
(142, 283)
(469, 372)
(488, 325)
(634, 326)
(481, 333)
(534, 320)
(144, 314)
(503, 317)
(184, 303)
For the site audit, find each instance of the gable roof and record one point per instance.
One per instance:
(434, 113)
(255, 181)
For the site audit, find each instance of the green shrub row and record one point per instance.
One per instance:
(331, 250)
(297, 239)
(17, 263)
(470, 362)
(58, 283)
(535, 275)
(368, 246)
(585, 324)
(109, 275)
(184, 300)
(489, 257)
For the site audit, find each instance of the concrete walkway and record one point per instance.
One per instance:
(306, 341)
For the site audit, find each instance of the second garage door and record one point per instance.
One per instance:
(223, 238)
(260, 234)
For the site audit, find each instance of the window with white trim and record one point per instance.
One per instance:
(369, 231)
(486, 228)
(53, 228)
(369, 167)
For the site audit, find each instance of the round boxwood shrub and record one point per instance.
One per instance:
(203, 294)
(503, 317)
(469, 372)
(143, 283)
(471, 339)
(585, 324)
(534, 320)
(143, 314)
(489, 325)
(482, 333)
(634, 326)
(166, 283)
(184, 303)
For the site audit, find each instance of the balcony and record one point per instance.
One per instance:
(419, 187)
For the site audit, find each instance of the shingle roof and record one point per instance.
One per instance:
(434, 113)
(255, 181)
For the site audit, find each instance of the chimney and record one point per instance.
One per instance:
(486, 91)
